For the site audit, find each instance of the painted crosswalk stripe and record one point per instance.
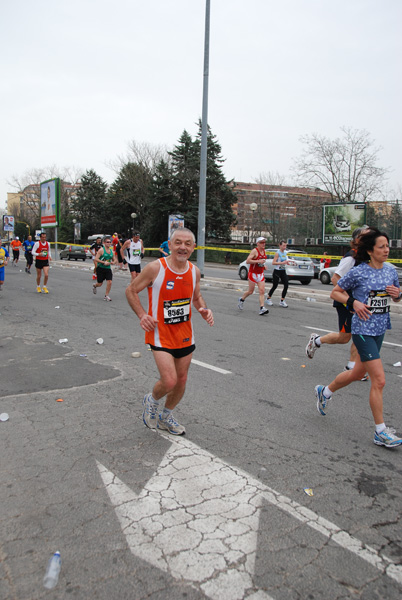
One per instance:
(212, 367)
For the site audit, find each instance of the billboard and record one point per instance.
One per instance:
(49, 203)
(175, 221)
(8, 223)
(340, 220)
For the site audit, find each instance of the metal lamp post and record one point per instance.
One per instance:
(133, 216)
(253, 208)
(74, 222)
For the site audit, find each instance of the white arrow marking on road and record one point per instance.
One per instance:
(197, 518)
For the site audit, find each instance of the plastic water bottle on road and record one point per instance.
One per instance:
(52, 572)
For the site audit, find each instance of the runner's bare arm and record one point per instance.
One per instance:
(143, 280)
(199, 302)
(251, 258)
(97, 257)
(394, 291)
(359, 308)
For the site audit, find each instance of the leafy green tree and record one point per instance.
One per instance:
(162, 203)
(88, 205)
(129, 193)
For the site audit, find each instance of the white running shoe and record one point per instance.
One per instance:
(364, 378)
(387, 438)
(312, 346)
(269, 302)
(263, 311)
(240, 304)
(283, 303)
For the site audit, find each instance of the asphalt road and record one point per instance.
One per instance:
(221, 513)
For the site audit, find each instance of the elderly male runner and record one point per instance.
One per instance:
(256, 259)
(173, 284)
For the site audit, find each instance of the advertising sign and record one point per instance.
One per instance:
(340, 220)
(8, 223)
(175, 221)
(49, 203)
(77, 231)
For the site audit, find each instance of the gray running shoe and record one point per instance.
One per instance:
(150, 412)
(171, 425)
(283, 304)
(263, 311)
(269, 302)
(387, 438)
(94, 288)
(240, 304)
(312, 346)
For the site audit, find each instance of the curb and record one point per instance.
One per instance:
(232, 284)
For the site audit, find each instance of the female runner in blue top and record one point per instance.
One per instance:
(373, 285)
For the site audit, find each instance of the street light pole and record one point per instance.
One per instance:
(133, 216)
(203, 162)
(74, 222)
(253, 208)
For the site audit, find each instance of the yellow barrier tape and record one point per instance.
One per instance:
(239, 250)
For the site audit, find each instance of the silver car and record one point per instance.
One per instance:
(302, 270)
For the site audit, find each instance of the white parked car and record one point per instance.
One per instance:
(326, 275)
(302, 270)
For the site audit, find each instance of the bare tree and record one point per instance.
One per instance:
(345, 167)
(143, 154)
(271, 214)
(272, 178)
(28, 185)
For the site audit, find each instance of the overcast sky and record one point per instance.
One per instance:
(81, 78)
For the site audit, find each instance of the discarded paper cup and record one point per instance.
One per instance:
(397, 364)
(99, 341)
(4, 417)
(136, 354)
(63, 341)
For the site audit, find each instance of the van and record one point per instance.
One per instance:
(92, 238)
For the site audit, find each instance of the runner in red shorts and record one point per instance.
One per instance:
(256, 259)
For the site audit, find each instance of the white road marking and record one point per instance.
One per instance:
(197, 519)
(212, 367)
(329, 331)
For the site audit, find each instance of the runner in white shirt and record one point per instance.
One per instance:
(133, 251)
(344, 314)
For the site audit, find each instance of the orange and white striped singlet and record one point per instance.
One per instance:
(169, 302)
